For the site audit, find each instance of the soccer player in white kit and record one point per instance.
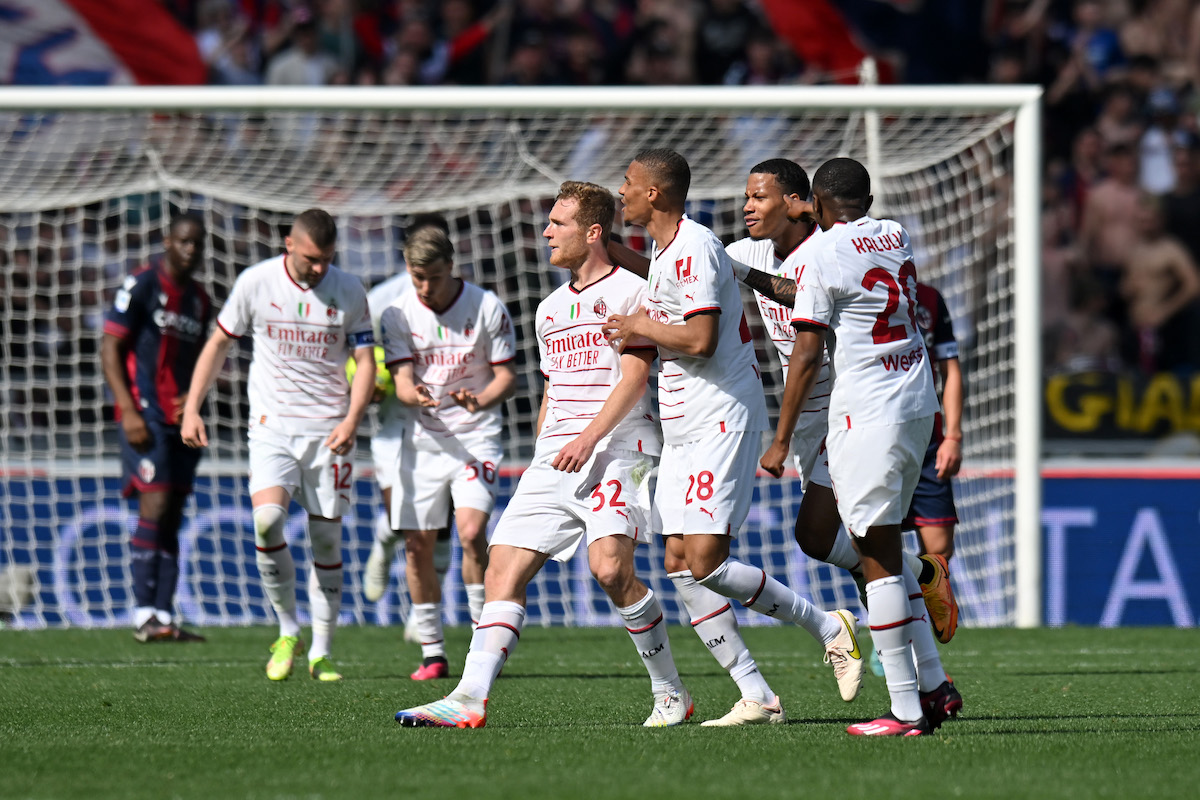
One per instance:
(713, 414)
(450, 347)
(597, 442)
(394, 417)
(306, 317)
(858, 284)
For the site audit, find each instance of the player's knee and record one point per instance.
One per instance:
(325, 537)
(268, 525)
(611, 573)
(418, 546)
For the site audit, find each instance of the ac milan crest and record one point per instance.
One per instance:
(146, 470)
(332, 310)
(600, 308)
(468, 329)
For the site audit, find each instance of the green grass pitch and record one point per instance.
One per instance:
(1071, 713)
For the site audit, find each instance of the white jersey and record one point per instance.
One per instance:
(452, 350)
(700, 396)
(582, 368)
(777, 320)
(302, 339)
(391, 411)
(859, 281)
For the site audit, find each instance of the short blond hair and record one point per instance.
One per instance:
(428, 245)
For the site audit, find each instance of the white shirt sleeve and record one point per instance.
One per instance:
(696, 274)
(235, 317)
(502, 340)
(814, 301)
(394, 332)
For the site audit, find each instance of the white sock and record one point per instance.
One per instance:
(889, 616)
(494, 640)
(324, 583)
(713, 620)
(427, 617)
(644, 621)
(914, 563)
(474, 600)
(930, 673)
(275, 566)
(843, 554)
(757, 590)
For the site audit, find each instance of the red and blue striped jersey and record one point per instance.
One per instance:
(163, 326)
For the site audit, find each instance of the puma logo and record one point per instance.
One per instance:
(276, 306)
(710, 514)
(549, 319)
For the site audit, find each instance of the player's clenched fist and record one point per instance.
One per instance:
(191, 430)
(772, 460)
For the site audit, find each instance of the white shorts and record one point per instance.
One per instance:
(429, 480)
(876, 470)
(321, 481)
(385, 455)
(706, 486)
(808, 449)
(552, 511)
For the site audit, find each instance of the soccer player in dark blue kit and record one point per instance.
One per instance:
(152, 337)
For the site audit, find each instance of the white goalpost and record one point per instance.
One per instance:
(91, 176)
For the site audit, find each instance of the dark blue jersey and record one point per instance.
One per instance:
(162, 325)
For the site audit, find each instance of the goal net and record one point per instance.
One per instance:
(91, 179)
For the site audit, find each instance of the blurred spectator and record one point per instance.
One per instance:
(1085, 340)
(1161, 285)
(1108, 232)
(1118, 122)
(723, 35)
(764, 63)
(1181, 207)
(529, 63)
(1156, 170)
(304, 63)
(1094, 48)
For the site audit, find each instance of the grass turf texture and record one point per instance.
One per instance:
(1070, 713)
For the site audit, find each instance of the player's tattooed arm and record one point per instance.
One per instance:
(780, 290)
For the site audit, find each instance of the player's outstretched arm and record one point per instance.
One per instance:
(408, 391)
(112, 356)
(635, 371)
(191, 426)
(362, 387)
(775, 288)
(949, 454)
(805, 364)
(628, 258)
(499, 389)
(695, 336)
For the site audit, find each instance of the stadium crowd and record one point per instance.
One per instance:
(1121, 146)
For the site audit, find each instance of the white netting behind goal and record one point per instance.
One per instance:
(88, 194)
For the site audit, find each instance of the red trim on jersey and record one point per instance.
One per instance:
(571, 286)
(116, 329)
(722, 426)
(579, 325)
(808, 236)
(847, 422)
(678, 225)
(797, 321)
(462, 287)
(288, 272)
(706, 310)
(716, 613)
(225, 331)
(648, 627)
(508, 360)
